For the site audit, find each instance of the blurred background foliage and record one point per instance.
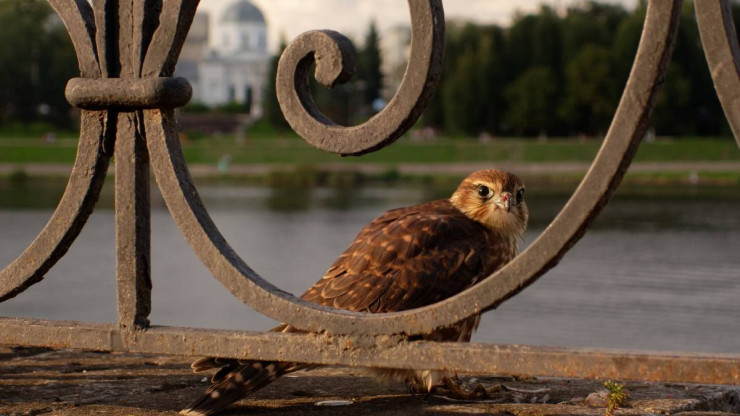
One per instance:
(36, 61)
(553, 74)
(550, 73)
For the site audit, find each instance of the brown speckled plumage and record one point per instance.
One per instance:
(406, 258)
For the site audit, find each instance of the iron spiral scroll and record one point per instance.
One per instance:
(127, 51)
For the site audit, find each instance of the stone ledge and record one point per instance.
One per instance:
(72, 383)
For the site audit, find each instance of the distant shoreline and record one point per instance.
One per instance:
(653, 173)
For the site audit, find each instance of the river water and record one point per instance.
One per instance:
(655, 272)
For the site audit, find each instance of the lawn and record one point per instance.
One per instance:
(292, 150)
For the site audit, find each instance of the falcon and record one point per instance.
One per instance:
(406, 258)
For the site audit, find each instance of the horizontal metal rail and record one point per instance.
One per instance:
(127, 51)
(383, 351)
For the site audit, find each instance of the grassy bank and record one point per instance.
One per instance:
(308, 170)
(292, 150)
(23, 185)
(293, 190)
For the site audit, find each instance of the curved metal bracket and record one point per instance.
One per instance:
(73, 211)
(334, 57)
(97, 55)
(88, 173)
(624, 136)
(157, 58)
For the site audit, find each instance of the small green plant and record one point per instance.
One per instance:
(617, 396)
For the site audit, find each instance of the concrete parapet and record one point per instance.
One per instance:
(71, 383)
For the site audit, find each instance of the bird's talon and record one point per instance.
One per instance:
(480, 392)
(459, 392)
(413, 387)
(430, 393)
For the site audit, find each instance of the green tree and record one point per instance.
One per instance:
(532, 99)
(591, 95)
(590, 23)
(273, 113)
(565, 74)
(470, 92)
(460, 93)
(547, 43)
(434, 114)
(368, 67)
(702, 109)
(36, 61)
(626, 41)
(672, 115)
(688, 104)
(520, 44)
(491, 78)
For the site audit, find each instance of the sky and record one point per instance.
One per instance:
(352, 17)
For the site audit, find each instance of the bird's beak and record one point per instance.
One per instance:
(504, 201)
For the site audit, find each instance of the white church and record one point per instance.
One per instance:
(225, 58)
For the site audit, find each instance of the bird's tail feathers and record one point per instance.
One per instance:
(209, 363)
(239, 382)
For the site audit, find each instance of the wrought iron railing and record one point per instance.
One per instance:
(127, 51)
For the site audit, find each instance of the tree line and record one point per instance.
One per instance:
(562, 74)
(551, 73)
(36, 61)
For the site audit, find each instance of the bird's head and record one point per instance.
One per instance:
(495, 199)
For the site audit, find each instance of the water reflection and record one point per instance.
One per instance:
(658, 270)
(27, 193)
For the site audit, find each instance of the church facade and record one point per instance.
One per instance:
(226, 58)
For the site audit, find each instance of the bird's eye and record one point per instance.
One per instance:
(484, 191)
(520, 196)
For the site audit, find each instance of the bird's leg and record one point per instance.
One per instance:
(430, 392)
(416, 387)
(457, 391)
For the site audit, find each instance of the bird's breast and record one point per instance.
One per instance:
(501, 250)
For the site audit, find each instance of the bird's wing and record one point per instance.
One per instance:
(404, 259)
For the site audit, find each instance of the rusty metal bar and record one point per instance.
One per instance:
(106, 36)
(79, 20)
(719, 40)
(133, 207)
(128, 94)
(167, 41)
(383, 351)
(133, 230)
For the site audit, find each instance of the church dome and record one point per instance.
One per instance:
(243, 11)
